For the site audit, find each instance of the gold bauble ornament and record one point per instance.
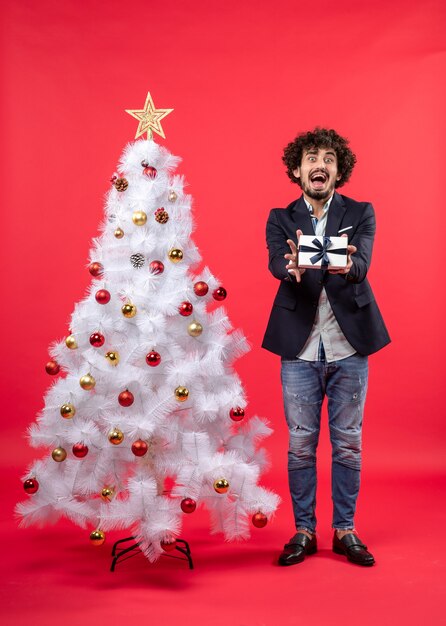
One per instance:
(195, 329)
(139, 218)
(119, 233)
(172, 196)
(70, 342)
(116, 436)
(97, 537)
(181, 394)
(107, 494)
(175, 255)
(128, 310)
(112, 357)
(67, 410)
(87, 382)
(221, 485)
(59, 454)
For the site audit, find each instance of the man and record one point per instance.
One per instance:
(323, 324)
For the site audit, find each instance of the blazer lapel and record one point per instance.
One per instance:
(302, 218)
(335, 215)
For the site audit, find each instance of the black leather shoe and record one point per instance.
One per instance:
(352, 547)
(297, 549)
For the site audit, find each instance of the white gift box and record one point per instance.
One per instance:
(322, 252)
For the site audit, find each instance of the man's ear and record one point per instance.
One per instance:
(296, 172)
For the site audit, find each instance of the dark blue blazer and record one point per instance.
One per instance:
(350, 295)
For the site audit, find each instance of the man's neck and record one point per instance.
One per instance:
(318, 205)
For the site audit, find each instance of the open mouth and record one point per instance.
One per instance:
(318, 179)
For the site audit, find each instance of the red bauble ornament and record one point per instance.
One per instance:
(97, 340)
(156, 267)
(219, 294)
(96, 268)
(52, 368)
(31, 485)
(153, 358)
(201, 288)
(102, 296)
(185, 309)
(126, 398)
(237, 414)
(259, 520)
(139, 447)
(168, 546)
(80, 450)
(188, 505)
(150, 171)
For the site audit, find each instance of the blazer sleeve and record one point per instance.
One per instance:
(363, 240)
(276, 241)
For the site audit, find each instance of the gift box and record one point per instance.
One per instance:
(322, 252)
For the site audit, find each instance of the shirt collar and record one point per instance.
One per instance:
(325, 208)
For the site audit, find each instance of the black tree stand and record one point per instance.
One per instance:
(122, 553)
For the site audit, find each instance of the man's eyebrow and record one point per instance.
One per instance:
(311, 151)
(316, 150)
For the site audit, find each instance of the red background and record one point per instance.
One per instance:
(243, 78)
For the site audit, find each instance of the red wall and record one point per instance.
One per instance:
(243, 77)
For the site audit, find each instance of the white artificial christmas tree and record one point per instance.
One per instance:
(148, 392)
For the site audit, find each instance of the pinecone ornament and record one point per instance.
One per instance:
(161, 216)
(137, 260)
(121, 184)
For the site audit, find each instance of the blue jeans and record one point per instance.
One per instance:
(304, 385)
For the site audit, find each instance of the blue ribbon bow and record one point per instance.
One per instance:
(323, 247)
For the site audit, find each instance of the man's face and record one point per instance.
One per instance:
(318, 172)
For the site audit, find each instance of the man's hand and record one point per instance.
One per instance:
(345, 270)
(292, 258)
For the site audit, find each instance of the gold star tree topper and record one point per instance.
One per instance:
(149, 118)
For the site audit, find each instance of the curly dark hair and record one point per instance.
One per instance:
(320, 138)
